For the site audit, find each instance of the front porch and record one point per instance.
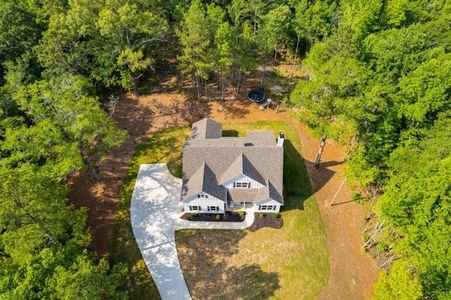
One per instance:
(238, 206)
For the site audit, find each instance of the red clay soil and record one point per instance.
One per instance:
(139, 117)
(352, 272)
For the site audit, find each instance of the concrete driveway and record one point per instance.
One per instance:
(155, 215)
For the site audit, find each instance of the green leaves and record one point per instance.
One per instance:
(424, 92)
(275, 28)
(381, 83)
(84, 280)
(315, 19)
(417, 206)
(400, 284)
(112, 42)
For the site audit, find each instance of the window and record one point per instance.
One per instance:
(194, 208)
(202, 196)
(241, 184)
(267, 207)
(213, 208)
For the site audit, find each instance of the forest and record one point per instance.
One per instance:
(379, 78)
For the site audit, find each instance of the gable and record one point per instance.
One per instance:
(268, 201)
(242, 178)
(242, 166)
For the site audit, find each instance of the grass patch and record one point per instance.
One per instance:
(287, 263)
(162, 147)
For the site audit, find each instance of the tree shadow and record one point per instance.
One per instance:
(321, 176)
(234, 108)
(202, 255)
(230, 133)
(297, 185)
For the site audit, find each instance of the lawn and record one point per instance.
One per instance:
(156, 149)
(288, 263)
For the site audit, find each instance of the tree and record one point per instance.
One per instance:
(132, 33)
(243, 54)
(19, 29)
(400, 284)
(71, 42)
(42, 240)
(111, 42)
(85, 280)
(51, 152)
(314, 20)
(275, 29)
(194, 38)
(66, 102)
(322, 98)
(416, 207)
(223, 51)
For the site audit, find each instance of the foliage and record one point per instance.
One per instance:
(314, 20)
(380, 82)
(110, 42)
(275, 28)
(416, 206)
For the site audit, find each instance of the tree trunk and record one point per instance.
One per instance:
(320, 151)
(297, 47)
(222, 87)
(238, 84)
(135, 86)
(90, 167)
(205, 88)
(197, 87)
(275, 51)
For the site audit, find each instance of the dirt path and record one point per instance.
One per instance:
(352, 272)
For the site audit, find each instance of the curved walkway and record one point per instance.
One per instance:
(155, 215)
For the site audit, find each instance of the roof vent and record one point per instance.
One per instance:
(248, 144)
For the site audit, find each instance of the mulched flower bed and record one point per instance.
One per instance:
(227, 217)
(267, 220)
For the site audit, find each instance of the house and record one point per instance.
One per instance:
(230, 173)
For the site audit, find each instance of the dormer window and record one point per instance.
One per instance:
(241, 184)
(202, 196)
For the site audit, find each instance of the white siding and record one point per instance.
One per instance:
(267, 202)
(204, 203)
(243, 178)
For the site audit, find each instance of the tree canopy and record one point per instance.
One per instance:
(378, 80)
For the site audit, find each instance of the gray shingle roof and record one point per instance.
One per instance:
(255, 195)
(242, 165)
(203, 180)
(206, 129)
(257, 154)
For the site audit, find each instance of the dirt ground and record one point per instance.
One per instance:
(352, 272)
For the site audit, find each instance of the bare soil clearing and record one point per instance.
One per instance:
(352, 272)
